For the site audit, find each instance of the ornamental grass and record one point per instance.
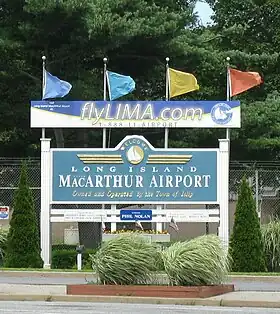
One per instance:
(200, 261)
(126, 260)
(3, 243)
(3, 236)
(271, 240)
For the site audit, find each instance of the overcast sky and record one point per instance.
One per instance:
(204, 12)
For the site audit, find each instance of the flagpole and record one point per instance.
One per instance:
(166, 130)
(104, 97)
(228, 93)
(44, 58)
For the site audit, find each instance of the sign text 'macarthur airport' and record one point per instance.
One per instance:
(135, 114)
(134, 172)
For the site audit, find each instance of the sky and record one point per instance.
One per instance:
(204, 12)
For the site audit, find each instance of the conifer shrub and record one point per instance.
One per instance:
(246, 246)
(23, 242)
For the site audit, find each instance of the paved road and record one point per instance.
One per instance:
(256, 286)
(113, 308)
(41, 280)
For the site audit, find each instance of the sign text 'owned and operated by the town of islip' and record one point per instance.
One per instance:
(135, 114)
(134, 172)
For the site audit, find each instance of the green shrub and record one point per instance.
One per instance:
(200, 261)
(57, 247)
(246, 246)
(64, 259)
(67, 259)
(23, 243)
(271, 240)
(126, 260)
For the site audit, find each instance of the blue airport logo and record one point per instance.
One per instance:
(221, 113)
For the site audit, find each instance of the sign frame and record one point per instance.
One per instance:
(46, 209)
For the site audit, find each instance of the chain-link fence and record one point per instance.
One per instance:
(264, 179)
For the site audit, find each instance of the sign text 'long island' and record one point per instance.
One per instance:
(134, 172)
(135, 114)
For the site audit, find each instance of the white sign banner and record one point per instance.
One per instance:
(135, 114)
(81, 215)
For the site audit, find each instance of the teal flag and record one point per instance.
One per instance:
(119, 85)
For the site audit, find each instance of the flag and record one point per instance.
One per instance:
(54, 87)
(139, 225)
(240, 81)
(119, 85)
(173, 224)
(181, 82)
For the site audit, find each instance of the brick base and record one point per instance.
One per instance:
(150, 291)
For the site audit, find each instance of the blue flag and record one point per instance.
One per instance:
(119, 85)
(54, 87)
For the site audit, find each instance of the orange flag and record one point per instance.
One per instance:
(242, 81)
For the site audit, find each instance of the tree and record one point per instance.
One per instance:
(260, 135)
(75, 35)
(23, 244)
(246, 247)
(136, 36)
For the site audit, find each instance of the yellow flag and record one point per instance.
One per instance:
(181, 83)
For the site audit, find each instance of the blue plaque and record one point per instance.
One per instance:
(134, 214)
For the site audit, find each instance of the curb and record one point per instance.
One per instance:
(140, 300)
(16, 273)
(108, 299)
(48, 274)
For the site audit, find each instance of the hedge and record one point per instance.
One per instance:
(67, 259)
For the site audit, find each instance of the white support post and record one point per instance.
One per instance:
(224, 190)
(79, 261)
(45, 201)
(159, 224)
(113, 224)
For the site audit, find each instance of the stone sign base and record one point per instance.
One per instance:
(149, 291)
